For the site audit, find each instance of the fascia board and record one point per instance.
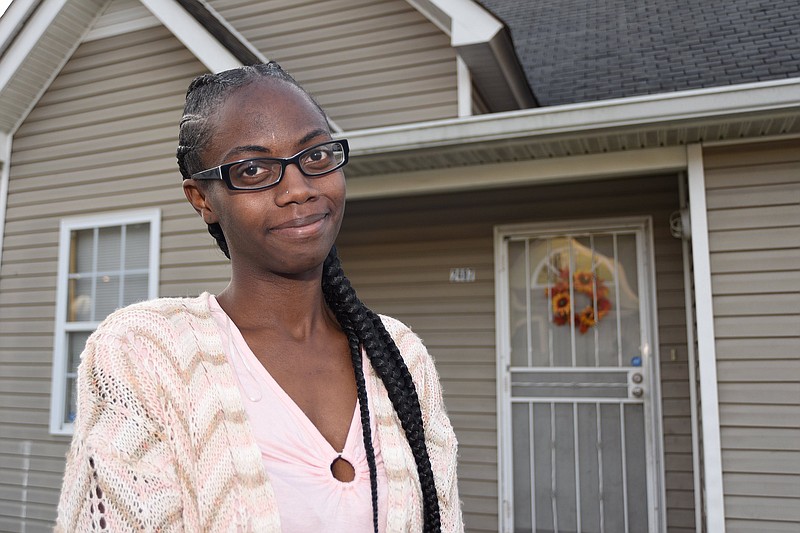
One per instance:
(193, 35)
(469, 22)
(28, 38)
(483, 44)
(660, 109)
(12, 20)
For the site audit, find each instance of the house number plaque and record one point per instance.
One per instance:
(462, 275)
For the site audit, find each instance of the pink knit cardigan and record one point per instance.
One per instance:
(162, 442)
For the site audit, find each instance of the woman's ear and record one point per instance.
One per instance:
(198, 196)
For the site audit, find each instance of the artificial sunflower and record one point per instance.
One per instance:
(561, 307)
(583, 282)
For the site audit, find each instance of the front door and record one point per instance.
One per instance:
(578, 379)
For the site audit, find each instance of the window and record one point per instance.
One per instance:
(105, 262)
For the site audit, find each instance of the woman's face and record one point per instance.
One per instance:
(287, 229)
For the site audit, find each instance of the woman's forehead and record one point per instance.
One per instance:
(270, 114)
(269, 99)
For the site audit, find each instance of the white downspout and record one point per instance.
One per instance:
(692, 362)
(709, 399)
(5, 175)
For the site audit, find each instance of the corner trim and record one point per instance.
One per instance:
(706, 348)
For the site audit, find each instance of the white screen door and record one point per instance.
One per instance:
(578, 380)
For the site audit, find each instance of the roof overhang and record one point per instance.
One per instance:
(484, 44)
(644, 134)
(36, 47)
(38, 37)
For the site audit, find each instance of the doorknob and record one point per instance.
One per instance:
(637, 392)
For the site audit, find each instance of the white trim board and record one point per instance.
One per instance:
(706, 349)
(193, 35)
(12, 20)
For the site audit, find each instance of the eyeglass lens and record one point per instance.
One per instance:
(262, 172)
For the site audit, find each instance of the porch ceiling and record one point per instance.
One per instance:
(740, 112)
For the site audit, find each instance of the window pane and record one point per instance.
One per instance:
(75, 345)
(80, 299)
(137, 246)
(81, 251)
(135, 288)
(107, 296)
(71, 403)
(108, 248)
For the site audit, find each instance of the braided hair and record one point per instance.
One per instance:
(361, 325)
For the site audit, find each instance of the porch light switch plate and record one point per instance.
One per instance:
(462, 275)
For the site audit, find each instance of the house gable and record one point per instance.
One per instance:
(369, 63)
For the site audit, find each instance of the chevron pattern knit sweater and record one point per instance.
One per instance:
(162, 441)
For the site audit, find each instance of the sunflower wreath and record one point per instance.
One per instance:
(583, 282)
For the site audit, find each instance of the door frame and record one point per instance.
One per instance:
(647, 289)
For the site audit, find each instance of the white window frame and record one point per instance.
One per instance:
(68, 225)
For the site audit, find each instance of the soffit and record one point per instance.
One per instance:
(38, 52)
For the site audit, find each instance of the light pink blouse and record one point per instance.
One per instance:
(297, 458)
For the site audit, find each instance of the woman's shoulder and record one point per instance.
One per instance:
(411, 346)
(400, 332)
(394, 326)
(153, 314)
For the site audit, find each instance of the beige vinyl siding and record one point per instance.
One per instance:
(753, 196)
(369, 62)
(398, 254)
(102, 138)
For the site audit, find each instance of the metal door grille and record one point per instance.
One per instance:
(577, 383)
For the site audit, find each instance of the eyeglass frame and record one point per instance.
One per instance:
(222, 172)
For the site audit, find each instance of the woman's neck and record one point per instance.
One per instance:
(294, 306)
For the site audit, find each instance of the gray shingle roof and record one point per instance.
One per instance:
(578, 50)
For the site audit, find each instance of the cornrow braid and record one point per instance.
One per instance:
(388, 363)
(362, 327)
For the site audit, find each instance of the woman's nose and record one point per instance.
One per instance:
(294, 187)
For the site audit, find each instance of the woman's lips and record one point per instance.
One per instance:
(301, 225)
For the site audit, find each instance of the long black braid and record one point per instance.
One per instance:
(362, 326)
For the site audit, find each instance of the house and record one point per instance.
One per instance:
(589, 213)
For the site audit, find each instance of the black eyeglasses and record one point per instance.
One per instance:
(263, 172)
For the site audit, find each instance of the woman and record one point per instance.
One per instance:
(282, 403)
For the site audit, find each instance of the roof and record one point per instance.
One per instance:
(576, 51)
